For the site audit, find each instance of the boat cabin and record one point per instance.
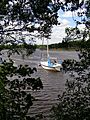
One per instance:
(53, 61)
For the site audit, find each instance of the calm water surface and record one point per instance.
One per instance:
(53, 82)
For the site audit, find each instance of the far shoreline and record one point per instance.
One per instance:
(60, 49)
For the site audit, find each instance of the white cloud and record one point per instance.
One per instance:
(56, 1)
(69, 14)
(81, 26)
(74, 13)
(64, 22)
(58, 32)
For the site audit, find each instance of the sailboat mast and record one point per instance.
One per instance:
(42, 39)
(47, 50)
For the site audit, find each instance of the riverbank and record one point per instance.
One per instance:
(63, 49)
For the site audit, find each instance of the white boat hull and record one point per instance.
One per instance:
(55, 67)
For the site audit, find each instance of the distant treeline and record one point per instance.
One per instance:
(16, 47)
(64, 44)
(68, 45)
(10, 46)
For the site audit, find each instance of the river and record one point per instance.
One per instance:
(53, 82)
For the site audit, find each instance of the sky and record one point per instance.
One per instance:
(58, 32)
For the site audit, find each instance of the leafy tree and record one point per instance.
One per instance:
(74, 103)
(15, 86)
(18, 16)
(18, 19)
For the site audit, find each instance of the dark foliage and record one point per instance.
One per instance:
(18, 16)
(75, 44)
(15, 86)
(74, 103)
(25, 15)
(18, 19)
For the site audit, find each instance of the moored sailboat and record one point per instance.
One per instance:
(51, 63)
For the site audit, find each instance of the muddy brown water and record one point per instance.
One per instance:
(53, 82)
